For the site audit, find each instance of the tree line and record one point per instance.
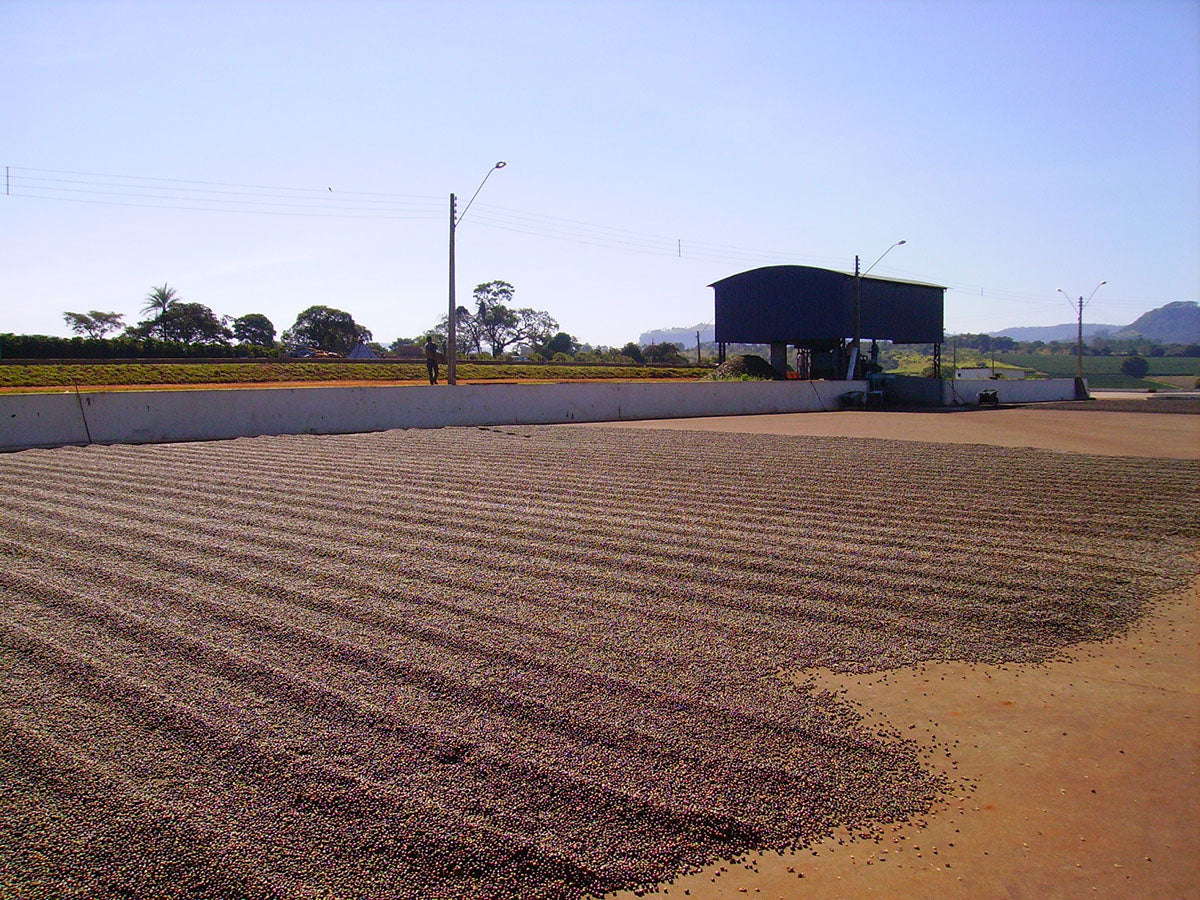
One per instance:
(172, 320)
(496, 328)
(1095, 345)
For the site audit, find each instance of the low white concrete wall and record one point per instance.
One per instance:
(909, 389)
(965, 392)
(41, 420)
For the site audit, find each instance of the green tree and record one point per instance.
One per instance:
(186, 323)
(467, 334)
(325, 328)
(561, 343)
(254, 328)
(536, 326)
(501, 326)
(160, 299)
(1135, 366)
(159, 302)
(666, 352)
(406, 346)
(496, 322)
(633, 351)
(94, 324)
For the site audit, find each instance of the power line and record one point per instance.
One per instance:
(215, 196)
(57, 185)
(259, 212)
(197, 195)
(262, 187)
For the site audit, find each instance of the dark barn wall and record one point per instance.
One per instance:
(783, 303)
(901, 312)
(798, 304)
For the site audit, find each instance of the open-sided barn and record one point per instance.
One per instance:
(824, 314)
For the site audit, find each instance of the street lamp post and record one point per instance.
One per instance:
(1079, 332)
(452, 319)
(858, 298)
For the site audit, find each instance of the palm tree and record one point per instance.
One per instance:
(160, 300)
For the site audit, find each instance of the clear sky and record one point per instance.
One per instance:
(267, 156)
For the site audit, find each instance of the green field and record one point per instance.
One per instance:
(1166, 372)
(1061, 365)
(137, 374)
(1101, 372)
(1105, 371)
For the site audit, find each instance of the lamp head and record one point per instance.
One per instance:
(500, 165)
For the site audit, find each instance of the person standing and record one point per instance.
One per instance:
(431, 359)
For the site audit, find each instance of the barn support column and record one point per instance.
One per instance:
(937, 360)
(779, 357)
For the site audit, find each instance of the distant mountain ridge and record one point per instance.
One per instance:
(684, 336)
(1176, 323)
(1065, 332)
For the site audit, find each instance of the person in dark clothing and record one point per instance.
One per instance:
(431, 360)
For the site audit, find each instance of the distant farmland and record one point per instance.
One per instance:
(1105, 371)
(512, 663)
(149, 374)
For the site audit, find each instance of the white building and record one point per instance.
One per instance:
(985, 372)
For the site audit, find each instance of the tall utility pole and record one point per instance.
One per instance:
(451, 354)
(857, 313)
(1079, 332)
(1079, 342)
(858, 299)
(452, 319)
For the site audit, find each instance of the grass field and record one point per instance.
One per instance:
(1102, 372)
(1105, 371)
(127, 374)
(512, 662)
(1166, 372)
(1060, 365)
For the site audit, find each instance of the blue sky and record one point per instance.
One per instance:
(268, 156)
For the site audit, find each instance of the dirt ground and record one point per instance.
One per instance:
(1082, 429)
(361, 677)
(1079, 777)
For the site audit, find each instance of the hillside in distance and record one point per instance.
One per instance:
(1068, 331)
(683, 336)
(1176, 323)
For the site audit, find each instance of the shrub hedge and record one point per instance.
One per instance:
(42, 346)
(134, 374)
